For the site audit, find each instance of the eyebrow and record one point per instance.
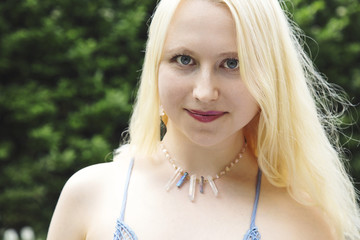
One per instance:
(231, 54)
(179, 50)
(184, 50)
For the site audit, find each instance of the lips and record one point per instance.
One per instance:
(207, 116)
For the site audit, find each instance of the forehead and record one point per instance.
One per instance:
(201, 8)
(201, 22)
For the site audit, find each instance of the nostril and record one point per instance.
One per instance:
(206, 93)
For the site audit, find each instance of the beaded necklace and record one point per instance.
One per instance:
(185, 175)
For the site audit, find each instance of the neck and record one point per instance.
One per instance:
(200, 159)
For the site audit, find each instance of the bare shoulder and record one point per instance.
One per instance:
(286, 218)
(95, 178)
(84, 181)
(82, 194)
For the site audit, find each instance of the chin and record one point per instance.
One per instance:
(214, 138)
(206, 141)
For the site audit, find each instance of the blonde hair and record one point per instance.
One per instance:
(290, 136)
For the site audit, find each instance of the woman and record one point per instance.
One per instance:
(245, 144)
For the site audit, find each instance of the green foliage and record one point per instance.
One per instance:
(333, 39)
(68, 70)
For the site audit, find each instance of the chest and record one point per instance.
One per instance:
(153, 213)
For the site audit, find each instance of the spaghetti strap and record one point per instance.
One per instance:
(258, 184)
(122, 230)
(253, 233)
(126, 187)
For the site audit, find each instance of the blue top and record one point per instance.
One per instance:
(124, 232)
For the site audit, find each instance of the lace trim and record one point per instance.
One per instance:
(252, 234)
(123, 232)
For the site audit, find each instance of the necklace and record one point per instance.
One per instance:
(185, 175)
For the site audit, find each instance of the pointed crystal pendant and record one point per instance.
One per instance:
(173, 179)
(182, 180)
(212, 185)
(192, 187)
(202, 180)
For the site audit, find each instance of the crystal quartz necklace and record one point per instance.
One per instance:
(181, 175)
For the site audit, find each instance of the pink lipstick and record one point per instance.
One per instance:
(207, 116)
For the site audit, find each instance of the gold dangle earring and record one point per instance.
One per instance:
(163, 121)
(163, 116)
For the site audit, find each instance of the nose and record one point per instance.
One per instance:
(205, 89)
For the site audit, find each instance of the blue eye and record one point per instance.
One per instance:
(184, 60)
(231, 63)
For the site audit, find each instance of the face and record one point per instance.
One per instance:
(199, 80)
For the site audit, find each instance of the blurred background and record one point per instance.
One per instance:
(68, 77)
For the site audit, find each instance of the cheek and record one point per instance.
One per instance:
(246, 105)
(171, 87)
(165, 89)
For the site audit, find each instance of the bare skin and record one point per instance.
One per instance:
(202, 76)
(91, 201)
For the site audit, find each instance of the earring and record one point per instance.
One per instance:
(161, 110)
(163, 116)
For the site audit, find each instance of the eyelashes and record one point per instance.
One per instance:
(185, 60)
(231, 63)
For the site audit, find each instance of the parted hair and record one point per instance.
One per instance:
(294, 136)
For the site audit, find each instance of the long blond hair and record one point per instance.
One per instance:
(291, 134)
